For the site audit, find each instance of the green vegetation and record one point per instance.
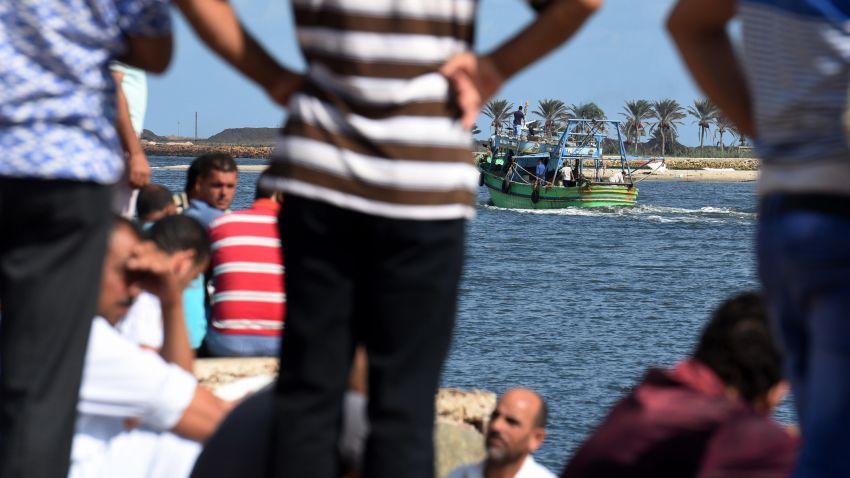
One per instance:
(658, 121)
(499, 111)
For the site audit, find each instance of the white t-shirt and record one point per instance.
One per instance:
(143, 323)
(122, 381)
(529, 469)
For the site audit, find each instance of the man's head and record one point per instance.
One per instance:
(120, 284)
(263, 191)
(517, 427)
(118, 287)
(182, 233)
(520, 108)
(154, 203)
(192, 178)
(216, 181)
(738, 346)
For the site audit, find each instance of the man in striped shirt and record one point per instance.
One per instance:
(791, 96)
(249, 304)
(376, 165)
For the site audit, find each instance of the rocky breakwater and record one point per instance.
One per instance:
(190, 149)
(739, 164)
(458, 428)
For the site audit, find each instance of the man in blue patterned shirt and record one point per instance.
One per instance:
(59, 156)
(790, 94)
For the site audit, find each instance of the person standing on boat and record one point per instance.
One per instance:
(519, 118)
(60, 158)
(790, 93)
(566, 174)
(375, 150)
(540, 172)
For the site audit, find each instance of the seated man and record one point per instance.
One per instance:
(140, 414)
(517, 428)
(172, 234)
(154, 203)
(249, 304)
(707, 417)
(215, 178)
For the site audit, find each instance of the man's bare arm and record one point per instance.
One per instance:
(138, 169)
(148, 53)
(175, 338)
(698, 28)
(476, 78)
(217, 25)
(166, 276)
(203, 415)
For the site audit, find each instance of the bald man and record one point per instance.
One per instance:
(517, 428)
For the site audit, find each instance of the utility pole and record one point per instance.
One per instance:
(196, 125)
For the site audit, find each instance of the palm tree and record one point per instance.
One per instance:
(742, 138)
(498, 110)
(704, 111)
(635, 112)
(722, 124)
(590, 111)
(667, 112)
(553, 112)
(586, 111)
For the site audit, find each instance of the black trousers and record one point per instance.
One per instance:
(52, 241)
(390, 284)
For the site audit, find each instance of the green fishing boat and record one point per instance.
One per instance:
(570, 171)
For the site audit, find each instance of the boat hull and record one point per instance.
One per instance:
(519, 196)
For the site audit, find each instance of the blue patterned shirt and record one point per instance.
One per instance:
(57, 97)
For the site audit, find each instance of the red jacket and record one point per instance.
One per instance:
(681, 423)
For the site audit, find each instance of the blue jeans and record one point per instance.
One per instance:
(233, 345)
(804, 264)
(517, 128)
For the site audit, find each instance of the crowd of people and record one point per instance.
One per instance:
(102, 317)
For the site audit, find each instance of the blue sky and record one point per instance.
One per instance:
(622, 53)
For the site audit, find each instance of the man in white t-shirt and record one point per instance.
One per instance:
(517, 428)
(143, 323)
(140, 414)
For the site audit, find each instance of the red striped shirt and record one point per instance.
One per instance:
(247, 262)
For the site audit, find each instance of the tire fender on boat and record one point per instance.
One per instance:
(535, 195)
(481, 179)
(506, 186)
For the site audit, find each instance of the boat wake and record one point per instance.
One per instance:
(650, 213)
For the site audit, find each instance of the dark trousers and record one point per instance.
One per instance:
(390, 284)
(52, 240)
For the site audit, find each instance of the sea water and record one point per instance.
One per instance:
(577, 303)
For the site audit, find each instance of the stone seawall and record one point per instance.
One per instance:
(195, 150)
(740, 164)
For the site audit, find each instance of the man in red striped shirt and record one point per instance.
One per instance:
(249, 303)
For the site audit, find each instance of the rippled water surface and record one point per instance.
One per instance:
(577, 303)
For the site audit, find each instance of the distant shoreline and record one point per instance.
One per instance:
(682, 175)
(678, 169)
